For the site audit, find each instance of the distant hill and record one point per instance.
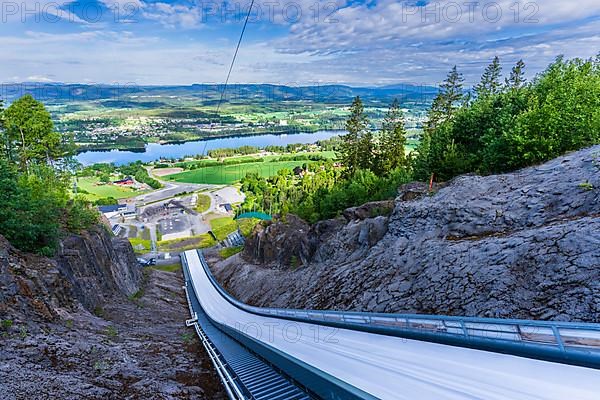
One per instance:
(207, 94)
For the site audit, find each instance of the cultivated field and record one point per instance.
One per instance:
(228, 174)
(92, 190)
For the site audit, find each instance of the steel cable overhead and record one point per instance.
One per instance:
(237, 49)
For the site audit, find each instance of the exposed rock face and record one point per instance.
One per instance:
(280, 244)
(98, 266)
(90, 324)
(87, 270)
(291, 242)
(369, 210)
(519, 245)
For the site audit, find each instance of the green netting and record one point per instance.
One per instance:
(255, 214)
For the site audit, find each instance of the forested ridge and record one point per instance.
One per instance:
(502, 124)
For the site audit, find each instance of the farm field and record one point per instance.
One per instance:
(238, 159)
(90, 189)
(228, 174)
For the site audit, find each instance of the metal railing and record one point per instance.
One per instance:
(563, 342)
(243, 374)
(229, 383)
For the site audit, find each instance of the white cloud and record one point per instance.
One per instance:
(173, 15)
(365, 44)
(40, 78)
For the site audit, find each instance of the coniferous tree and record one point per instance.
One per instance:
(4, 140)
(351, 146)
(391, 154)
(366, 150)
(490, 80)
(517, 76)
(447, 101)
(435, 114)
(452, 92)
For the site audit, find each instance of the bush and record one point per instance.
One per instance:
(80, 215)
(105, 201)
(32, 206)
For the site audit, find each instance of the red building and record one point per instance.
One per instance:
(125, 182)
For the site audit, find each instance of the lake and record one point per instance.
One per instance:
(155, 151)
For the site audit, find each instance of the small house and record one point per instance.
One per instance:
(226, 207)
(128, 181)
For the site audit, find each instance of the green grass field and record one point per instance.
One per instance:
(203, 203)
(222, 226)
(194, 242)
(140, 246)
(168, 268)
(228, 174)
(95, 192)
(229, 251)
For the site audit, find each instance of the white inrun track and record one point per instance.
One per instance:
(388, 367)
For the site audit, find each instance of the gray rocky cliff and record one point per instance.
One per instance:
(86, 325)
(518, 245)
(98, 266)
(87, 270)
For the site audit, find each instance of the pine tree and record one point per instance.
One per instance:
(517, 76)
(356, 125)
(4, 140)
(391, 154)
(490, 80)
(447, 101)
(366, 150)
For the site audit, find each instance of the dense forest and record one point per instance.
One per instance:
(500, 125)
(35, 171)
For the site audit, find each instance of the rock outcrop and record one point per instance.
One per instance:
(87, 270)
(90, 324)
(518, 245)
(98, 267)
(290, 242)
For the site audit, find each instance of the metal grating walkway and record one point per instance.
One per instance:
(244, 375)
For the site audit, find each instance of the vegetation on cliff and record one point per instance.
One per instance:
(35, 205)
(502, 127)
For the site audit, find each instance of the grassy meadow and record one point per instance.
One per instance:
(230, 172)
(91, 189)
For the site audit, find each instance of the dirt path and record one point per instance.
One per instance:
(136, 348)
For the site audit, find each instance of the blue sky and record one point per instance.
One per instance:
(287, 42)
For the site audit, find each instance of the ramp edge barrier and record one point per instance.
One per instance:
(570, 343)
(231, 388)
(318, 382)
